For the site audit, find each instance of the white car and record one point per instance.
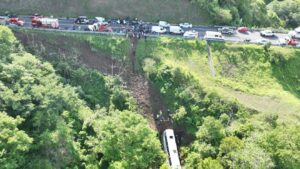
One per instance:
(294, 34)
(191, 34)
(262, 41)
(297, 30)
(211, 35)
(186, 25)
(176, 30)
(267, 33)
(282, 41)
(158, 29)
(163, 24)
(100, 19)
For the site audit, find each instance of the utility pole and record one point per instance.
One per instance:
(210, 59)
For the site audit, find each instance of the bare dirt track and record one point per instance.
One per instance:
(149, 100)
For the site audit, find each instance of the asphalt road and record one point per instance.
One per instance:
(68, 25)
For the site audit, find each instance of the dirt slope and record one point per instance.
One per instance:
(149, 100)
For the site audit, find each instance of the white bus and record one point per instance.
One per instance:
(170, 148)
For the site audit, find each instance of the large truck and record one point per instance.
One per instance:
(44, 22)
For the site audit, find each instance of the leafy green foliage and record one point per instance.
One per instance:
(253, 12)
(14, 143)
(287, 10)
(125, 141)
(283, 145)
(55, 122)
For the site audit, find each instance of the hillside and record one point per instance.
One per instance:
(265, 81)
(67, 116)
(248, 116)
(170, 10)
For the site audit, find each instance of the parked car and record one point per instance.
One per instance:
(262, 41)
(82, 20)
(282, 41)
(158, 29)
(191, 34)
(297, 30)
(243, 29)
(226, 30)
(186, 25)
(267, 33)
(176, 30)
(163, 24)
(99, 19)
(210, 35)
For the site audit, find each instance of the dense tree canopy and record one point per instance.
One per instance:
(253, 12)
(44, 124)
(125, 141)
(14, 143)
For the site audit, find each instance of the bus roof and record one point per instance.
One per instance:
(173, 153)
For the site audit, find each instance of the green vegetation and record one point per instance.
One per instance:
(228, 130)
(45, 124)
(253, 12)
(170, 10)
(246, 117)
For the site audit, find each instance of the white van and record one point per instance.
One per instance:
(163, 24)
(170, 148)
(158, 29)
(210, 35)
(176, 30)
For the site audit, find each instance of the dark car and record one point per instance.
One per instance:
(82, 20)
(226, 30)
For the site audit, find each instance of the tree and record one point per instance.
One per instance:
(52, 112)
(211, 131)
(124, 139)
(14, 143)
(250, 157)
(228, 146)
(283, 144)
(7, 43)
(210, 163)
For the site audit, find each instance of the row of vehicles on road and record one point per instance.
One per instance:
(100, 24)
(36, 21)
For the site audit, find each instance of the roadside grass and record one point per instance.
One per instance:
(174, 11)
(267, 82)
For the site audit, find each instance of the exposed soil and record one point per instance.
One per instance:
(151, 103)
